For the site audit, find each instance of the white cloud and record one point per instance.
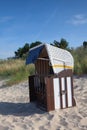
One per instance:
(78, 19)
(5, 19)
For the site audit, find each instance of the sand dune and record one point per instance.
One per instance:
(16, 113)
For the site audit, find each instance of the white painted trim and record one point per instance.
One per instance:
(63, 94)
(36, 47)
(69, 91)
(56, 93)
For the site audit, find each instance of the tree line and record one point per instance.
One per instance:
(23, 51)
(79, 53)
(63, 43)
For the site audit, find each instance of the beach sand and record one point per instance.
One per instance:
(16, 113)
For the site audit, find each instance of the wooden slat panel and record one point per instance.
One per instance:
(32, 89)
(52, 94)
(61, 102)
(49, 94)
(66, 91)
(73, 100)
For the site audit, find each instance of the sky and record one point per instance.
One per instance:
(27, 21)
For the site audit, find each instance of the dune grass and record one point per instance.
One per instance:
(80, 60)
(15, 70)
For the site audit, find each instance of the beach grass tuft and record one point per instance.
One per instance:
(15, 70)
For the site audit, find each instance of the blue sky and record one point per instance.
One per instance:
(28, 21)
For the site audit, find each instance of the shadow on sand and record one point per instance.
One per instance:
(19, 109)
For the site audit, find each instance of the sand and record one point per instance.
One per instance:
(17, 113)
